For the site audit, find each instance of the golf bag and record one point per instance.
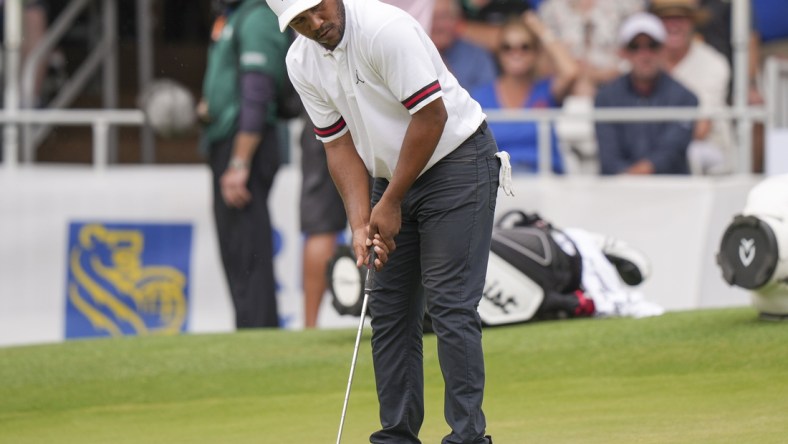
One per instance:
(752, 252)
(535, 272)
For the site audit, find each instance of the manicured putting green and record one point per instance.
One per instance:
(712, 376)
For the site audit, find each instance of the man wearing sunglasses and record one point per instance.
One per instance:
(644, 147)
(705, 72)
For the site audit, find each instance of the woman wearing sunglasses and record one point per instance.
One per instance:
(523, 40)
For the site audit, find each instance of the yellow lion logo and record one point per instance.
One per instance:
(124, 287)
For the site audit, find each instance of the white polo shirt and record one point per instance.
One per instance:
(384, 69)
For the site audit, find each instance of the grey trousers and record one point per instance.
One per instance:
(442, 247)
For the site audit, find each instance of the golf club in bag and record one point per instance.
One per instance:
(367, 289)
(535, 272)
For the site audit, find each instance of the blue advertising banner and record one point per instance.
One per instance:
(127, 279)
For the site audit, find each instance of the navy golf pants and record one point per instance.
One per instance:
(441, 259)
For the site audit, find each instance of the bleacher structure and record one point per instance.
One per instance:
(27, 126)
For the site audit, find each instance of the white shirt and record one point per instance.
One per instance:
(384, 69)
(421, 10)
(591, 35)
(706, 73)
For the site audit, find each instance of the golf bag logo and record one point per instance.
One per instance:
(747, 251)
(494, 294)
(127, 279)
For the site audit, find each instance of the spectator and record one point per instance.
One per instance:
(472, 65)
(421, 10)
(769, 19)
(496, 11)
(717, 32)
(706, 73)
(483, 19)
(521, 41)
(643, 147)
(589, 28)
(34, 26)
(769, 38)
(245, 70)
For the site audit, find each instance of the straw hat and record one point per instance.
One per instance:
(680, 8)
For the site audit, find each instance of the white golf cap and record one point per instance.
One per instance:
(286, 10)
(641, 23)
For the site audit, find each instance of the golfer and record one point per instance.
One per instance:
(384, 104)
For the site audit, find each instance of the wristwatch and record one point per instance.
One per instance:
(236, 163)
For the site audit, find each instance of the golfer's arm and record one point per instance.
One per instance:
(421, 138)
(351, 179)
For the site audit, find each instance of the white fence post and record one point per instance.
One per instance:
(100, 144)
(11, 52)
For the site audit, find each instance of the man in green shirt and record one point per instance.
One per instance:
(245, 73)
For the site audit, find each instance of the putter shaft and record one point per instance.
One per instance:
(367, 289)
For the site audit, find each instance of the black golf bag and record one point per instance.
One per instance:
(534, 272)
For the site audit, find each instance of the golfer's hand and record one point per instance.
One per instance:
(361, 247)
(234, 191)
(385, 221)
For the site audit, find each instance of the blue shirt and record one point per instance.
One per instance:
(663, 143)
(520, 139)
(770, 18)
(472, 65)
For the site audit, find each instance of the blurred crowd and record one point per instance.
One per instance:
(568, 55)
(576, 55)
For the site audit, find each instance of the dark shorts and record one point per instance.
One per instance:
(322, 210)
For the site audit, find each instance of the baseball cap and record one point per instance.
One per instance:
(286, 10)
(681, 8)
(641, 23)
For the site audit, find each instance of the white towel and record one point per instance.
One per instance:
(505, 174)
(603, 284)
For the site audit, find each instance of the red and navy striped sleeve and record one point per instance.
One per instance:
(332, 129)
(422, 95)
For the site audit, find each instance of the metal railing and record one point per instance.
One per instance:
(104, 55)
(101, 121)
(545, 117)
(776, 84)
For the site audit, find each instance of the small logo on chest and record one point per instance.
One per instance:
(358, 79)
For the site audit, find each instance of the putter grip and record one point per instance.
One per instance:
(370, 271)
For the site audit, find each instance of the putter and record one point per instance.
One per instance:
(367, 289)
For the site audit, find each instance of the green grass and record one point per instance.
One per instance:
(717, 376)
